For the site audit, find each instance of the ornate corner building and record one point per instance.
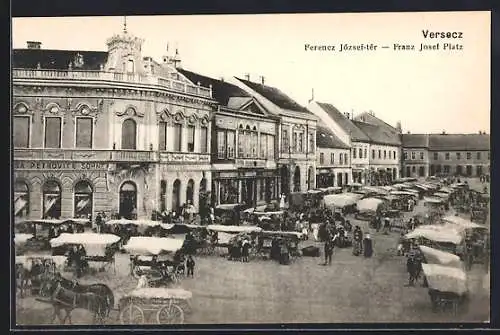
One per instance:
(107, 131)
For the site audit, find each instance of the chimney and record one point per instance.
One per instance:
(443, 133)
(247, 76)
(398, 127)
(408, 132)
(34, 45)
(221, 79)
(262, 79)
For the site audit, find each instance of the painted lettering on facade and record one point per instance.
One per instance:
(31, 165)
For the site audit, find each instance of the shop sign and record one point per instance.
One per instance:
(27, 165)
(227, 175)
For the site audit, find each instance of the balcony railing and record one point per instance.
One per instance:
(184, 157)
(134, 78)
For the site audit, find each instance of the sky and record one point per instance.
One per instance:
(429, 91)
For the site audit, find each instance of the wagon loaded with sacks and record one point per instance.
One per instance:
(165, 305)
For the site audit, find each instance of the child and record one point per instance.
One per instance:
(190, 266)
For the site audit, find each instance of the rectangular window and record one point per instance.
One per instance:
(373, 154)
(84, 132)
(177, 137)
(446, 169)
(270, 147)
(447, 156)
(52, 132)
(21, 131)
(478, 155)
(332, 158)
(354, 153)
(435, 156)
(380, 154)
(231, 144)
(405, 155)
(412, 155)
(295, 142)
(263, 145)
(365, 155)
(421, 155)
(360, 153)
(321, 158)
(385, 154)
(346, 156)
(162, 141)
(340, 158)
(301, 143)
(469, 155)
(241, 144)
(284, 141)
(459, 155)
(311, 142)
(204, 140)
(190, 138)
(221, 144)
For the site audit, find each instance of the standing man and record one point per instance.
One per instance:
(329, 245)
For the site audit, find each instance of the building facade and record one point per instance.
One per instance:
(244, 168)
(333, 164)
(345, 129)
(296, 136)
(466, 155)
(106, 131)
(415, 155)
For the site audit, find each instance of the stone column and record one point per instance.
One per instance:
(184, 136)
(196, 195)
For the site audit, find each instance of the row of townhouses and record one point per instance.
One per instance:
(118, 132)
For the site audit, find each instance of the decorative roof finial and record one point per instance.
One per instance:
(125, 24)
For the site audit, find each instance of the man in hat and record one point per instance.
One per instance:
(367, 246)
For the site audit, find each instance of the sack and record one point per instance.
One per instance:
(310, 251)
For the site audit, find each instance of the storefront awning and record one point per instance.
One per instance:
(82, 204)
(19, 205)
(50, 201)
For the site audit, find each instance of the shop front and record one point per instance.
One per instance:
(325, 178)
(243, 186)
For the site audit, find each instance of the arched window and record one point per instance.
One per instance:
(190, 191)
(128, 200)
(296, 180)
(176, 195)
(21, 199)
(163, 194)
(83, 199)
(51, 193)
(130, 66)
(129, 134)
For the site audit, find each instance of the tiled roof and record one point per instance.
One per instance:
(372, 119)
(222, 91)
(459, 142)
(325, 138)
(57, 59)
(344, 123)
(277, 97)
(378, 134)
(415, 141)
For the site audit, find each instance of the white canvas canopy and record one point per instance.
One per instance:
(402, 193)
(269, 213)
(466, 224)
(433, 200)
(141, 245)
(445, 278)
(94, 244)
(437, 233)
(161, 293)
(441, 195)
(435, 256)
(147, 223)
(341, 200)
(369, 204)
(283, 233)
(234, 229)
(375, 189)
(445, 190)
(169, 226)
(422, 187)
(20, 239)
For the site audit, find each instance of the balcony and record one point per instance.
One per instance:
(184, 157)
(86, 155)
(99, 76)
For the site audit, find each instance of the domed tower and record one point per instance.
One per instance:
(124, 53)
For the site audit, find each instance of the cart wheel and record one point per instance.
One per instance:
(170, 314)
(132, 314)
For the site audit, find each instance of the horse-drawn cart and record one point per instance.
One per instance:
(164, 303)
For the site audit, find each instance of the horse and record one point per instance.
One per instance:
(101, 290)
(68, 300)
